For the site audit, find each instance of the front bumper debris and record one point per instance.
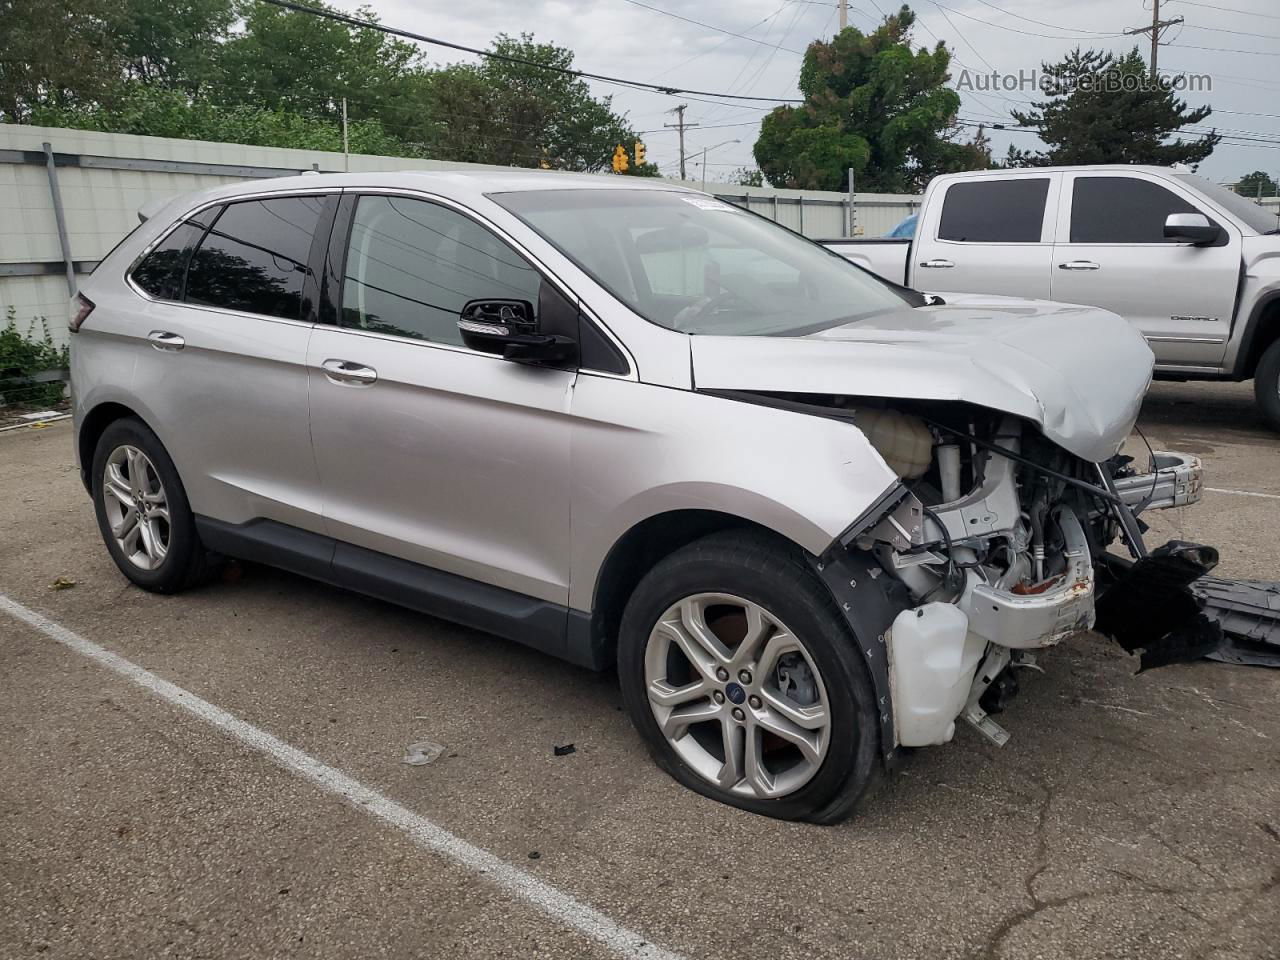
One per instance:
(1176, 480)
(1248, 611)
(1149, 606)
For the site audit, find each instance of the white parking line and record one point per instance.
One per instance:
(1245, 493)
(425, 833)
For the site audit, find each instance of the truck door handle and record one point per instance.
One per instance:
(164, 340)
(936, 264)
(1078, 265)
(348, 371)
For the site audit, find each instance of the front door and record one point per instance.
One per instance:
(1111, 252)
(427, 450)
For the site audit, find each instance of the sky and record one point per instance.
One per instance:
(1236, 43)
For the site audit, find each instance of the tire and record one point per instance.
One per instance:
(1266, 384)
(729, 582)
(136, 456)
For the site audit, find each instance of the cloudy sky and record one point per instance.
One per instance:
(1235, 42)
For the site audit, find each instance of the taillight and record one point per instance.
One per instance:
(84, 307)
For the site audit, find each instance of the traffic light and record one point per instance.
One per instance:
(620, 161)
(639, 154)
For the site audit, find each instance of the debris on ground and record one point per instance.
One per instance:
(421, 753)
(62, 583)
(1249, 613)
(564, 751)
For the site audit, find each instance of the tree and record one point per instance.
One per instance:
(159, 112)
(176, 43)
(747, 177)
(1103, 109)
(305, 64)
(54, 53)
(1257, 184)
(518, 113)
(872, 105)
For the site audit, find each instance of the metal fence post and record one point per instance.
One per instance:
(60, 219)
(802, 216)
(853, 209)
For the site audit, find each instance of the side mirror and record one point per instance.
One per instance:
(507, 328)
(1195, 228)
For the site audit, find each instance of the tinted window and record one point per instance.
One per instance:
(411, 265)
(254, 257)
(1122, 210)
(994, 211)
(160, 272)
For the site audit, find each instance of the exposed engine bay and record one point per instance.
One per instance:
(997, 545)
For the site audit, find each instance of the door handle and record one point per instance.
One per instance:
(936, 264)
(347, 371)
(164, 340)
(1078, 265)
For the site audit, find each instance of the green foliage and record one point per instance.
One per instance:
(873, 105)
(58, 53)
(747, 177)
(514, 114)
(302, 64)
(159, 112)
(1104, 109)
(1257, 184)
(23, 354)
(240, 71)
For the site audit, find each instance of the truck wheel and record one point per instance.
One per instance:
(142, 510)
(1266, 384)
(745, 682)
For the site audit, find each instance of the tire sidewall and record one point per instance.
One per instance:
(852, 740)
(173, 572)
(1267, 385)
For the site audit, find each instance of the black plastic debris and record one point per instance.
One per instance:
(1248, 611)
(1151, 606)
(564, 751)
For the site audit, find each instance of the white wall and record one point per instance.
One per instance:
(101, 203)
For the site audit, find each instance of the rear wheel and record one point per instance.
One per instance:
(1266, 384)
(142, 510)
(745, 682)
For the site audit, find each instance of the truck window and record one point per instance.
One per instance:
(994, 211)
(1122, 210)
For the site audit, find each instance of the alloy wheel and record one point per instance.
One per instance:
(136, 506)
(737, 695)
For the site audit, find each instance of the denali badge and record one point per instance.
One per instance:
(1198, 319)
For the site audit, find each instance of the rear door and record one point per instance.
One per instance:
(429, 451)
(988, 235)
(1111, 252)
(232, 300)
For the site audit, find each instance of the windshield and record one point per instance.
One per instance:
(691, 263)
(1258, 218)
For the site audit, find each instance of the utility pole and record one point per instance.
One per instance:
(844, 13)
(680, 126)
(1156, 26)
(346, 144)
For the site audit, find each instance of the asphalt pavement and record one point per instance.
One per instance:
(219, 774)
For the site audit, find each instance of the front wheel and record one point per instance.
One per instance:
(745, 682)
(1266, 384)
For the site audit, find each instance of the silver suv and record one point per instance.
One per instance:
(810, 515)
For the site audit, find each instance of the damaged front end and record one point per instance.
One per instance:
(993, 546)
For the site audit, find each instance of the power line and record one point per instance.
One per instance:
(699, 23)
(1042, 23)
(1001, 26)
(1187, 46)
(1239, 33)
(1211, 6)
(507, 58)
(684, 63)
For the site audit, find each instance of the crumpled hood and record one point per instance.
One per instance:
(1079, 372)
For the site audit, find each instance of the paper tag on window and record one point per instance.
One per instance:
(706, 203)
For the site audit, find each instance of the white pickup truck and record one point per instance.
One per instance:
(1194, 267)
